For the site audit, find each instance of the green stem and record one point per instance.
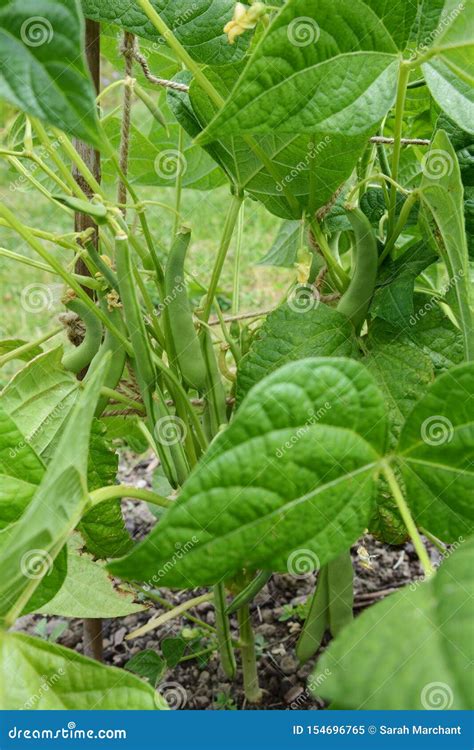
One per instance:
(155, 622)
(84, 280)
(167, 605)
(25, 348)
(181, 53)
(116, 396)
(407, 518)
(403, 76)
(178, 181)
(224, 639)
(23, 231)
(338, 274)
(249, 659)
(56, 159)
(121, 490)
(229, 226)
(400, 225)
(238, 255)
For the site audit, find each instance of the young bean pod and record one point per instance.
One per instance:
(341, 592)
(187, 350)
(317, 620)
(118, 357)
(82, 355)
(354, 303)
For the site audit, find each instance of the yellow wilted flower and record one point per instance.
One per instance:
(244, 18)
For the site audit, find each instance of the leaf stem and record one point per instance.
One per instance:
(25, 348)
(400, 225)
(228, 231)
(224, 639)
(249, 659)
(407, 519)
(403, 76)
(155, 622)
(122, 490)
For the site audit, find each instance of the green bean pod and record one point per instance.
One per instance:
(215, 413)
(83, 354)
(171, 456)
(249, 592)
(354, 303)
(341, 592)
(317, 621)
(118, 357)
(187, 350)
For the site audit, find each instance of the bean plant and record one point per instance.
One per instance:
(282, 436)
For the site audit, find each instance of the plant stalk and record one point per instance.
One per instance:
(252, 689)
(408, 519)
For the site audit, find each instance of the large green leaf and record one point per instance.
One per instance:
(393, 296)
(293, 473)
(442, 193)
(295, 165)
(283, 253)
(51, 677)
(330, 66)
(88, 591)
(403, 374)
(450, 72)
(156, 159)
(414, 650)
(21, 470)
(199, 25)
(436, 450)
(55, 509)
(39, 398)
(428, 329)
(289, 334)
(42, 69)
